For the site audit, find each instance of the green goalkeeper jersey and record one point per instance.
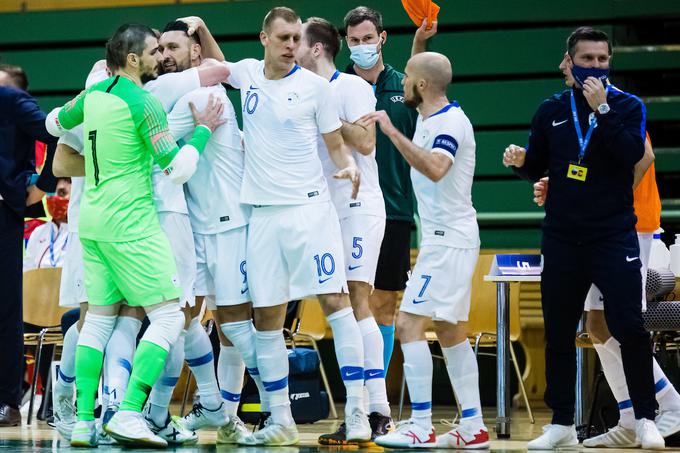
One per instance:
(125, 131)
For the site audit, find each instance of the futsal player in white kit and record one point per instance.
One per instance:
(362, 220)
(220, 226)
(294, 241)
(442, 157)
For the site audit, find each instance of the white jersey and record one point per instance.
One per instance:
(212, 193)
(168, 88)
(74, 139)
(445, 207)
(281, 122)
(354, 98)
(47, 246)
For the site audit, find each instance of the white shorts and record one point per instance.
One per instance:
(177, 228)
(221, 267)
(72, 287)
(594, 299)
(440, 284)
(362, 236)
(294, 252)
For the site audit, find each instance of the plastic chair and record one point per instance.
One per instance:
(309, 326)
(41, 308)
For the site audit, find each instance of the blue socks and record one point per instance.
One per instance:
(387, 333)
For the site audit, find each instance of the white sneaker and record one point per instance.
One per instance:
(130, 429)
(648, 436)
(273, 435)
(668, 422)
(84, 434)
(358, 428)
(554, 436)
(408, 434)
(234, 432)
(103, 437)
(173, 432)
(617, 437)
(465, 437)
(64, 415)
(201, 417)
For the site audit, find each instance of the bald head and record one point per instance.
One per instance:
(433, 67)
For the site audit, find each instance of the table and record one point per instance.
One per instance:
(503, 346)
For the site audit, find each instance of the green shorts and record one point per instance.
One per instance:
(141, 272)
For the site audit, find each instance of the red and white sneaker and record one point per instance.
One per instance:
(408, 434)
(463, 437)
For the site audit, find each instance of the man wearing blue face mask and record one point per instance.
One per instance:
(366, 39)
(588, 140)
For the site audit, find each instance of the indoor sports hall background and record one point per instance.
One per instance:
(504, 53)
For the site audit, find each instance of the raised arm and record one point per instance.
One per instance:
(209, 47)
(421, 37)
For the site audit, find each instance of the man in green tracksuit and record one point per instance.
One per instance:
(127, 256)
(365, 38)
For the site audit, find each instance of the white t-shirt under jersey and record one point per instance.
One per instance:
(281, 122)
(212, 193)
(354, 98)
(168, 88)
(445, 207)
(74, 139)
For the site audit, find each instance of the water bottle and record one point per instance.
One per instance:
(659, 256)
(675, 256)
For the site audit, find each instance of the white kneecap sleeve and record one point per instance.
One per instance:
(52, 123)
(96, 331)
(183, 165)
(165, 325)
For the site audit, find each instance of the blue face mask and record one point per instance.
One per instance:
(581, 74)
(365, 55)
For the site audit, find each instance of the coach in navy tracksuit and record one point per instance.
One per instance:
(588, 139)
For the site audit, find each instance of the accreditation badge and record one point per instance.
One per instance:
(577, 172)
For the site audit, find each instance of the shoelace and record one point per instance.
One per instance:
(197, 410)
(452, 424)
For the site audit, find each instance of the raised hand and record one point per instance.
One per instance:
(382, 119)
(194, 23)
(514, 156)
(594, 92)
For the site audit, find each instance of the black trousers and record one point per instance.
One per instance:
(569, 268)
(11, 316)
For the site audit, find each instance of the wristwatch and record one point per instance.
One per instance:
(603, 109)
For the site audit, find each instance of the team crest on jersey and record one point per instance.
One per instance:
(397, 99)
(293, 98)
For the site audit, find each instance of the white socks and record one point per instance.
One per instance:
(461, 365)
(230, 370)
(418, 372)
(374, 374)
(242, 336)
(67, 365)
(161, 393)
(198, 354)
(272, 362)
(612, 365)
(118, 358)
(349, 350)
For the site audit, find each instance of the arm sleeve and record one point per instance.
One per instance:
(623, 135)
(447, 139)
(238, 72)
(71, 114)
(30, 119)
(327, 119)
(169, 88)
(536, 160)
(153, 128)
(47, 182)
(360, 102)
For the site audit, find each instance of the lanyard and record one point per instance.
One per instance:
(583, 142)
(53, 262)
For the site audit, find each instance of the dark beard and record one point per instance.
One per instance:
(415, 101)
(146, 77)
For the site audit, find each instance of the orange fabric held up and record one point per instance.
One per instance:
(647, 202)
(418, 10)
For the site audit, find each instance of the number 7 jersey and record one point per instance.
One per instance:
(124, 131)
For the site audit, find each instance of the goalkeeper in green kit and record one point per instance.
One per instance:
(127, 257)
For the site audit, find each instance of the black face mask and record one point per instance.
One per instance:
(581, 74)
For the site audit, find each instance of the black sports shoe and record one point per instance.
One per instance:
(380, 424)
(337, 438)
